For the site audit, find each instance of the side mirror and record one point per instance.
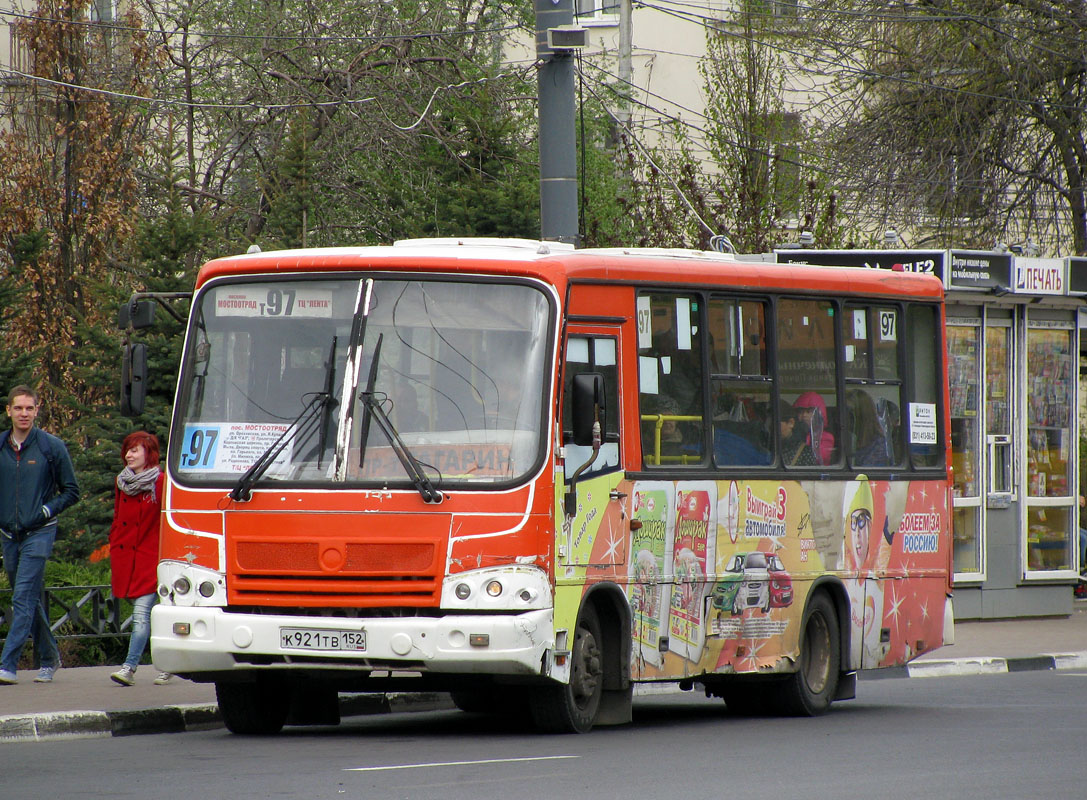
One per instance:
(133, 379)
(139, 314)
(587, 405)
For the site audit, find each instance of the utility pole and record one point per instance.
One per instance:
(558, 152)
(626, 71)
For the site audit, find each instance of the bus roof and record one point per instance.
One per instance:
(559, 264)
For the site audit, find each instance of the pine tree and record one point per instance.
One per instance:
(17, 362)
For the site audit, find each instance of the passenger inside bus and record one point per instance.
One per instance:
(814, 425)
(670, 398)
(741, 434)
(673, 446)
(795, 449)
(872, 446)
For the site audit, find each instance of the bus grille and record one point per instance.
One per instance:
(354, 574)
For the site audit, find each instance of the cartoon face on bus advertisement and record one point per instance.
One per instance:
(744, 554)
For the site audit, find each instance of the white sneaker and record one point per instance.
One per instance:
(45, 674)
(126, 676)
(163, 678)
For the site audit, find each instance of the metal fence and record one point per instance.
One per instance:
(76, 612)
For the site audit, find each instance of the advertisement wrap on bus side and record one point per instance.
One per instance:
(720, 570)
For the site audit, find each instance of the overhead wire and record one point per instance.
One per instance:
(716, 237)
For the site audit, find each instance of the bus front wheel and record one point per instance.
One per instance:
(809, 691)
(258, 708)
(572, 707)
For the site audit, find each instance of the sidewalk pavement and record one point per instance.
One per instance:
(84, 702)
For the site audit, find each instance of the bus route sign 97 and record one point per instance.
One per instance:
(230, 446)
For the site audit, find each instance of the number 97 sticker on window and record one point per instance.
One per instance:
(231, 447)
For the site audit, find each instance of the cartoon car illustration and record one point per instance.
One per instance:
(745, 584)
(781, 583)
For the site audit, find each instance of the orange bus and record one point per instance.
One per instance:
(534, 477)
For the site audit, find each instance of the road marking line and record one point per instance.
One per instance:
(457, 763)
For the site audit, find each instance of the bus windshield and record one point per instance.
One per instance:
(284, 371)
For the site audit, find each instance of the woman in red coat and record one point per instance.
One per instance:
(134, 543)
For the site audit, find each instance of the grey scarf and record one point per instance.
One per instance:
(134, 483)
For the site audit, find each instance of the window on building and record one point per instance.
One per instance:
(589, 10)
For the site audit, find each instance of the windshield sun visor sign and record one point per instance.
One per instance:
(277, 301)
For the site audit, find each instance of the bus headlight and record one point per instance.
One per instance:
(514, 588)
(184, 584)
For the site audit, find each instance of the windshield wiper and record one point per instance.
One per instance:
(329, 402)
(301, 430)
(412, 466)
(351, 376)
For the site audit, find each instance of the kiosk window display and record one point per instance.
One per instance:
(964, 369)
(1051, 449)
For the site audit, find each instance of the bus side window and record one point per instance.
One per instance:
(926, 352)
(670, 379)
(871, 345)
(740, 383)
(592, 354)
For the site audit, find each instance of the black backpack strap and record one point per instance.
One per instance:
(46, 446)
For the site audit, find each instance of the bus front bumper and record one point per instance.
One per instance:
(189, 640)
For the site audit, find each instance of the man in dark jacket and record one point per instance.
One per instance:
(37, 482)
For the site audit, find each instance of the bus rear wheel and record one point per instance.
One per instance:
(810, 690)
(258, 708)
(572, 707)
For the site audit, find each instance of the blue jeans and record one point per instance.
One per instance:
(141, 628)
(24, 562)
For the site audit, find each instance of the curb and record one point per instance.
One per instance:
(55, 726)
(91, 724)
(981, 665)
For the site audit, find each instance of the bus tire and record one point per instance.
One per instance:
(258, 708)
(572, 707)
(810, 690)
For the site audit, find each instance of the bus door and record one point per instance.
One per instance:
(593, 501)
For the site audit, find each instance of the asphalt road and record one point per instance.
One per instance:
(995, 736)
